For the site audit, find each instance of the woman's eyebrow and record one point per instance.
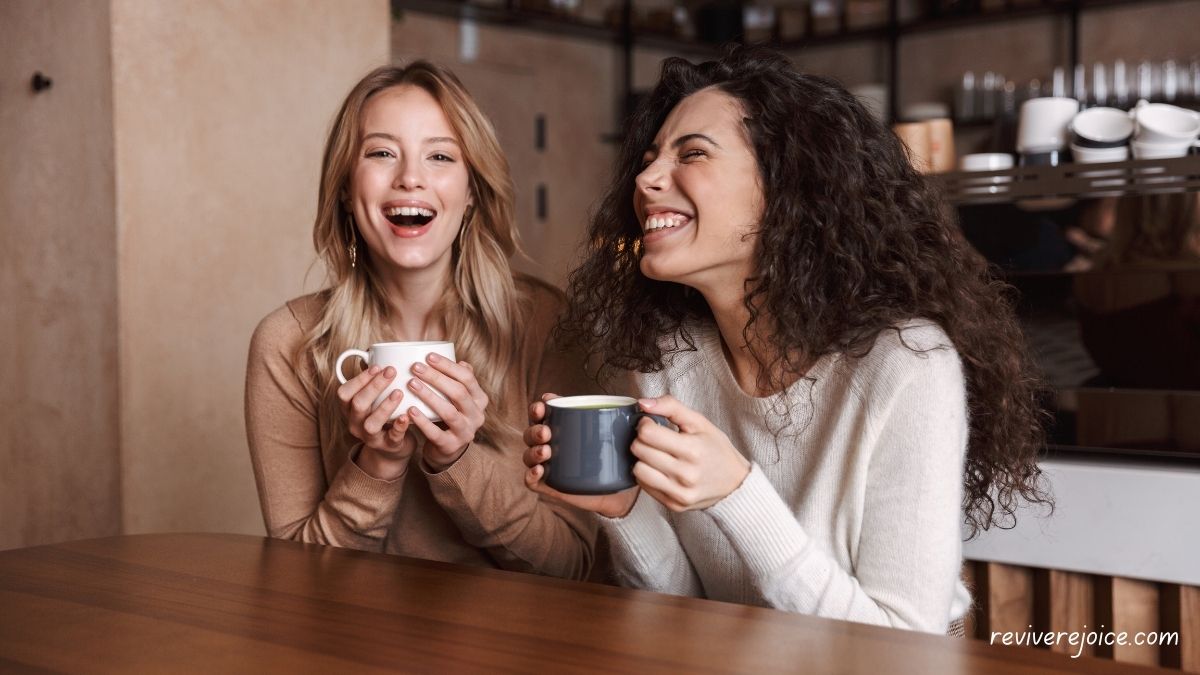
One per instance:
(694, 137)
(428, 141)
(684, 139)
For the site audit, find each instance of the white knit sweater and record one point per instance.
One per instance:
(853, 511)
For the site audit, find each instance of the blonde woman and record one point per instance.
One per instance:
(415, 226)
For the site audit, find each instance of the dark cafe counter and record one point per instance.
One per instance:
(233, 603)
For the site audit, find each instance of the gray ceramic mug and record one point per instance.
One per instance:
(589, 443)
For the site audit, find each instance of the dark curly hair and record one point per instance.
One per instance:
(852, 242)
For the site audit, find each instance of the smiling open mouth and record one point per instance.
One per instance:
(409, 216)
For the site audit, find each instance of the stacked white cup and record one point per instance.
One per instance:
(1101, 135)
(1162, 130)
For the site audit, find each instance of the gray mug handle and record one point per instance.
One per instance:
(657, 418)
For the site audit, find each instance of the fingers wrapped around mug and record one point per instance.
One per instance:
(386, 446)
(364, 419)
(535, 457)
(537, 441)
(689, 469)
(462, 410)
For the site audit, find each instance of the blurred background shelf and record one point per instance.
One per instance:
(1070, 181)
(792, 27)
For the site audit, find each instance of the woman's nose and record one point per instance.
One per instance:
(653, 178)
(409, 176)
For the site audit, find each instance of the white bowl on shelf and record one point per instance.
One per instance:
(986, 161)
(1099, 155)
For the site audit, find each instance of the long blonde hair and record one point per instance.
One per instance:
(477, 308)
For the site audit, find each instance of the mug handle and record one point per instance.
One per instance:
(337, 368)
(662, 421)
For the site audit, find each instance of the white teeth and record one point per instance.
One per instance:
(408, 211)
(654, 223)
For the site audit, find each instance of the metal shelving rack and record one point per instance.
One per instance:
(1113, 179)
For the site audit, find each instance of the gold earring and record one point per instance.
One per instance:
(352, 247)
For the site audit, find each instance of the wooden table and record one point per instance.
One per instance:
(231, 603)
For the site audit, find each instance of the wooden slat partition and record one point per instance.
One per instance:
(1013, 598)
(1005, 598)
(1127, 605)
(1181, 611)
(1065, 602)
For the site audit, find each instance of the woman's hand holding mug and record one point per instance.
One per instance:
(689, 469)
(448, 393)
(462, 410)
(387, 446)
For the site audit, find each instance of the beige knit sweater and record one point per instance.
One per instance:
(852, 511)
(476, 512)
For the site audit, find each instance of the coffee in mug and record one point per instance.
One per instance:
(401, 356)
(590, 438)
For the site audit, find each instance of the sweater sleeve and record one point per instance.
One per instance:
(485, 495)
(484, 491)
(646, 551)
(298, 500)
(909, 552)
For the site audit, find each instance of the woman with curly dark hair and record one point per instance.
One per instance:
(846, 378)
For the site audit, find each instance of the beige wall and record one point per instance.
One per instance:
(58, 336)
(220, 109)
(158, 201)
(59, 476)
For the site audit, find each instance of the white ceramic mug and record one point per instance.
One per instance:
(401, 356)
(1044, 123)
(1163, 124)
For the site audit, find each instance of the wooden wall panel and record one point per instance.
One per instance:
(1127, 605)
(1065, 602)
(1005, 598)
(1013, 598)
(1180, 607)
